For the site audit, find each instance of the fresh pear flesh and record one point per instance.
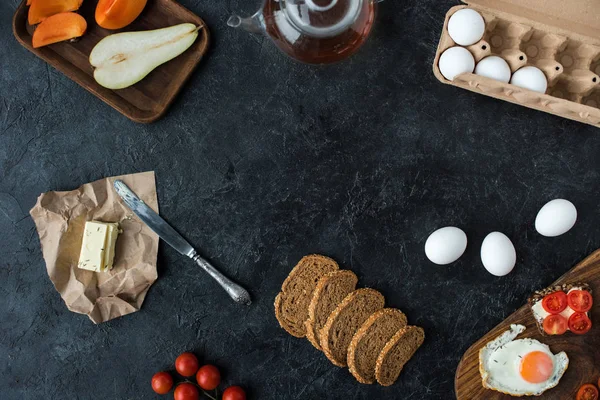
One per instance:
(123, 59)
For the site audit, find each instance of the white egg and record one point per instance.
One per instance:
(466, 27)
(531, 78)
(456, 61)
(498, 254)
(445, 245)
(521, 367)
(493, 67)
(555, 218)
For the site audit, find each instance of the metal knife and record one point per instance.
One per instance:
(169, 235)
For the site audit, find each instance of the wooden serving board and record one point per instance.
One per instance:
(583, 351)
(147, 100)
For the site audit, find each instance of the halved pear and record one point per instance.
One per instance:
(123, 59)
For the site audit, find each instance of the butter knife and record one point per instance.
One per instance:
(175, 240)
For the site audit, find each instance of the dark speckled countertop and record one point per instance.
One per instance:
(262, 160)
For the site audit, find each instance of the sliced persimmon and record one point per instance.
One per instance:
(58, 28)
(117, 14)
(42, 9)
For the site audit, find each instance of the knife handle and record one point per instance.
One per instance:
(235, 291)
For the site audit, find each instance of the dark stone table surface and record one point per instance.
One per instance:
(262, 160)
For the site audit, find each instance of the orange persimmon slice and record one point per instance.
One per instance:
(117, 14)
(57, 28)
(42, 9)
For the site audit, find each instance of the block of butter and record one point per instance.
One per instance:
(98, 246)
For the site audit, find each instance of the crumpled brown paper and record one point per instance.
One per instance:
(60, 220)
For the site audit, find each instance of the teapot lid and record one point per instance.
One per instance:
(322, 18)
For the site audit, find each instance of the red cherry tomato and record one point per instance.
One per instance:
(186, 391)
(579, 323)
(555, 303)
(580, 300)
(208, 377)
(162, 382)
(234, 393)
(555, 324)
(186, 364)
(587, 392)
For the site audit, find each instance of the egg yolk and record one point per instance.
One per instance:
(536, 367)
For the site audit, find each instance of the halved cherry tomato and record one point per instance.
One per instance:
(579, 323)
(186, 364)
(555, 303)
(580, 300)
(587, 392)
(162, 382)
(555, 324)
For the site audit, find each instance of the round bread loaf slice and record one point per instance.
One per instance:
(397, 351)
(330, 291)
(291, 304)
(345, 320)
(370, 339)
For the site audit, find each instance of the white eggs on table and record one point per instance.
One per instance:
(455, 61)
(494, 67)
(445, 245)
(498, 254)
(555, 218)
(531, 78)
(466, 27)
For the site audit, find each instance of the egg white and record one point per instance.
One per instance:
(500, 359)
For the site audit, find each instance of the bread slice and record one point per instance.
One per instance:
(331, 290)
(345, 320)
(370, 339)
(397, 351)
(291, 304)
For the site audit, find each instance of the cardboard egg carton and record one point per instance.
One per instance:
(560, 37)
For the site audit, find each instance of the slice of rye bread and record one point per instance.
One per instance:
(397, 351)
(539, 295)
(345, 320)
(330, 291)
(291, 304)
(370, 339)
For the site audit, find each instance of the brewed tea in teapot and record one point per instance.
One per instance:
(313, 31)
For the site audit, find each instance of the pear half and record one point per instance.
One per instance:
(123, 59)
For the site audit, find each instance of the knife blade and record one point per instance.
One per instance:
(175, 240)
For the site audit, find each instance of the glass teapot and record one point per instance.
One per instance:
(313, 31)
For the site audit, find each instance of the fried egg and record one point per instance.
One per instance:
(522, 367)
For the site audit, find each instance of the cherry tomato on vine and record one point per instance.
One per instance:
(234, 393)
(186, 391)
(162, 382)
(186, 364)
(208, 377)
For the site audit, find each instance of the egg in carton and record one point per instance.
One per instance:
(562, 39)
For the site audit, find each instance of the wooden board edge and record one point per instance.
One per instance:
(501, 327)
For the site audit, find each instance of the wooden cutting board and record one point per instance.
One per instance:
(583, 351)
(147, 100)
